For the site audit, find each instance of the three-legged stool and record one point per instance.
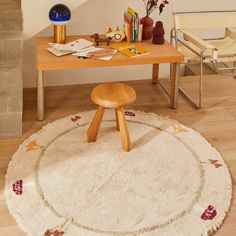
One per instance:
(117, 96)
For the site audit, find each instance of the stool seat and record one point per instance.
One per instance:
(113, 95)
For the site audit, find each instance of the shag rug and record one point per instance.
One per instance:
(172, 182)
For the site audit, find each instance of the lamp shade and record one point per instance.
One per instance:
(59, 14)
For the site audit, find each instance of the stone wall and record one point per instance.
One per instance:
(11, 89)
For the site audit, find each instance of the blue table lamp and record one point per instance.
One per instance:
(59, 15)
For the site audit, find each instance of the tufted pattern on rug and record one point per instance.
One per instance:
(172, 182)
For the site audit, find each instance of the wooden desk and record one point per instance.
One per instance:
(159, 54)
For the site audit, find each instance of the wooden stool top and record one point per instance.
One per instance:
(113, 95)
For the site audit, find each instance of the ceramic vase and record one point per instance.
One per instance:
(147, 27)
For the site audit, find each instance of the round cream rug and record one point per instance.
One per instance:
(172, 182)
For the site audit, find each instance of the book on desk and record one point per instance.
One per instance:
(133, 26)
(130, 50)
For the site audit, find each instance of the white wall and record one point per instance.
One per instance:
(39, 10)
(96, 16)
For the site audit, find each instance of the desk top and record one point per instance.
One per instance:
(158, 54)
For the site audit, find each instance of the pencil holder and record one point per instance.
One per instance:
(59, 15)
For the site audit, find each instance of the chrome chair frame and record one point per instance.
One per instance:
(176, 40)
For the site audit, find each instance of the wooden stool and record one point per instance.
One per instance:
(117, 96)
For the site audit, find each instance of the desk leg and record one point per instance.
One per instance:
(155, 73)
(174, 84)
(40, 96)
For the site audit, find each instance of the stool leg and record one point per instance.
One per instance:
(124, 133)
(117, 121)
(95, 125)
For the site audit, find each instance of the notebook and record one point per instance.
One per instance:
(130, 50)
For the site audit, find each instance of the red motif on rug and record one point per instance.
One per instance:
(75, 119)
(209, 213)
(215, 163)
(17, 187)
(129, 113)
(50, 232)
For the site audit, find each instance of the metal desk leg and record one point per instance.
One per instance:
(155, 73)
(174, 85)
(40, 96)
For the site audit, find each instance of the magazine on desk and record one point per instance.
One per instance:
(106, 54)
(130, 50)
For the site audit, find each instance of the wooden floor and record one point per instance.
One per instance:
(216, 121)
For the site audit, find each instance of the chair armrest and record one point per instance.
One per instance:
(230, 33)
(196, 40)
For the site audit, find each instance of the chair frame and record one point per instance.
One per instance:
(203, 45)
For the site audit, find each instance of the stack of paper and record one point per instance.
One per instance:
(71, 47)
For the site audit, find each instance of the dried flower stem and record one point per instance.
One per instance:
(152, 5)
